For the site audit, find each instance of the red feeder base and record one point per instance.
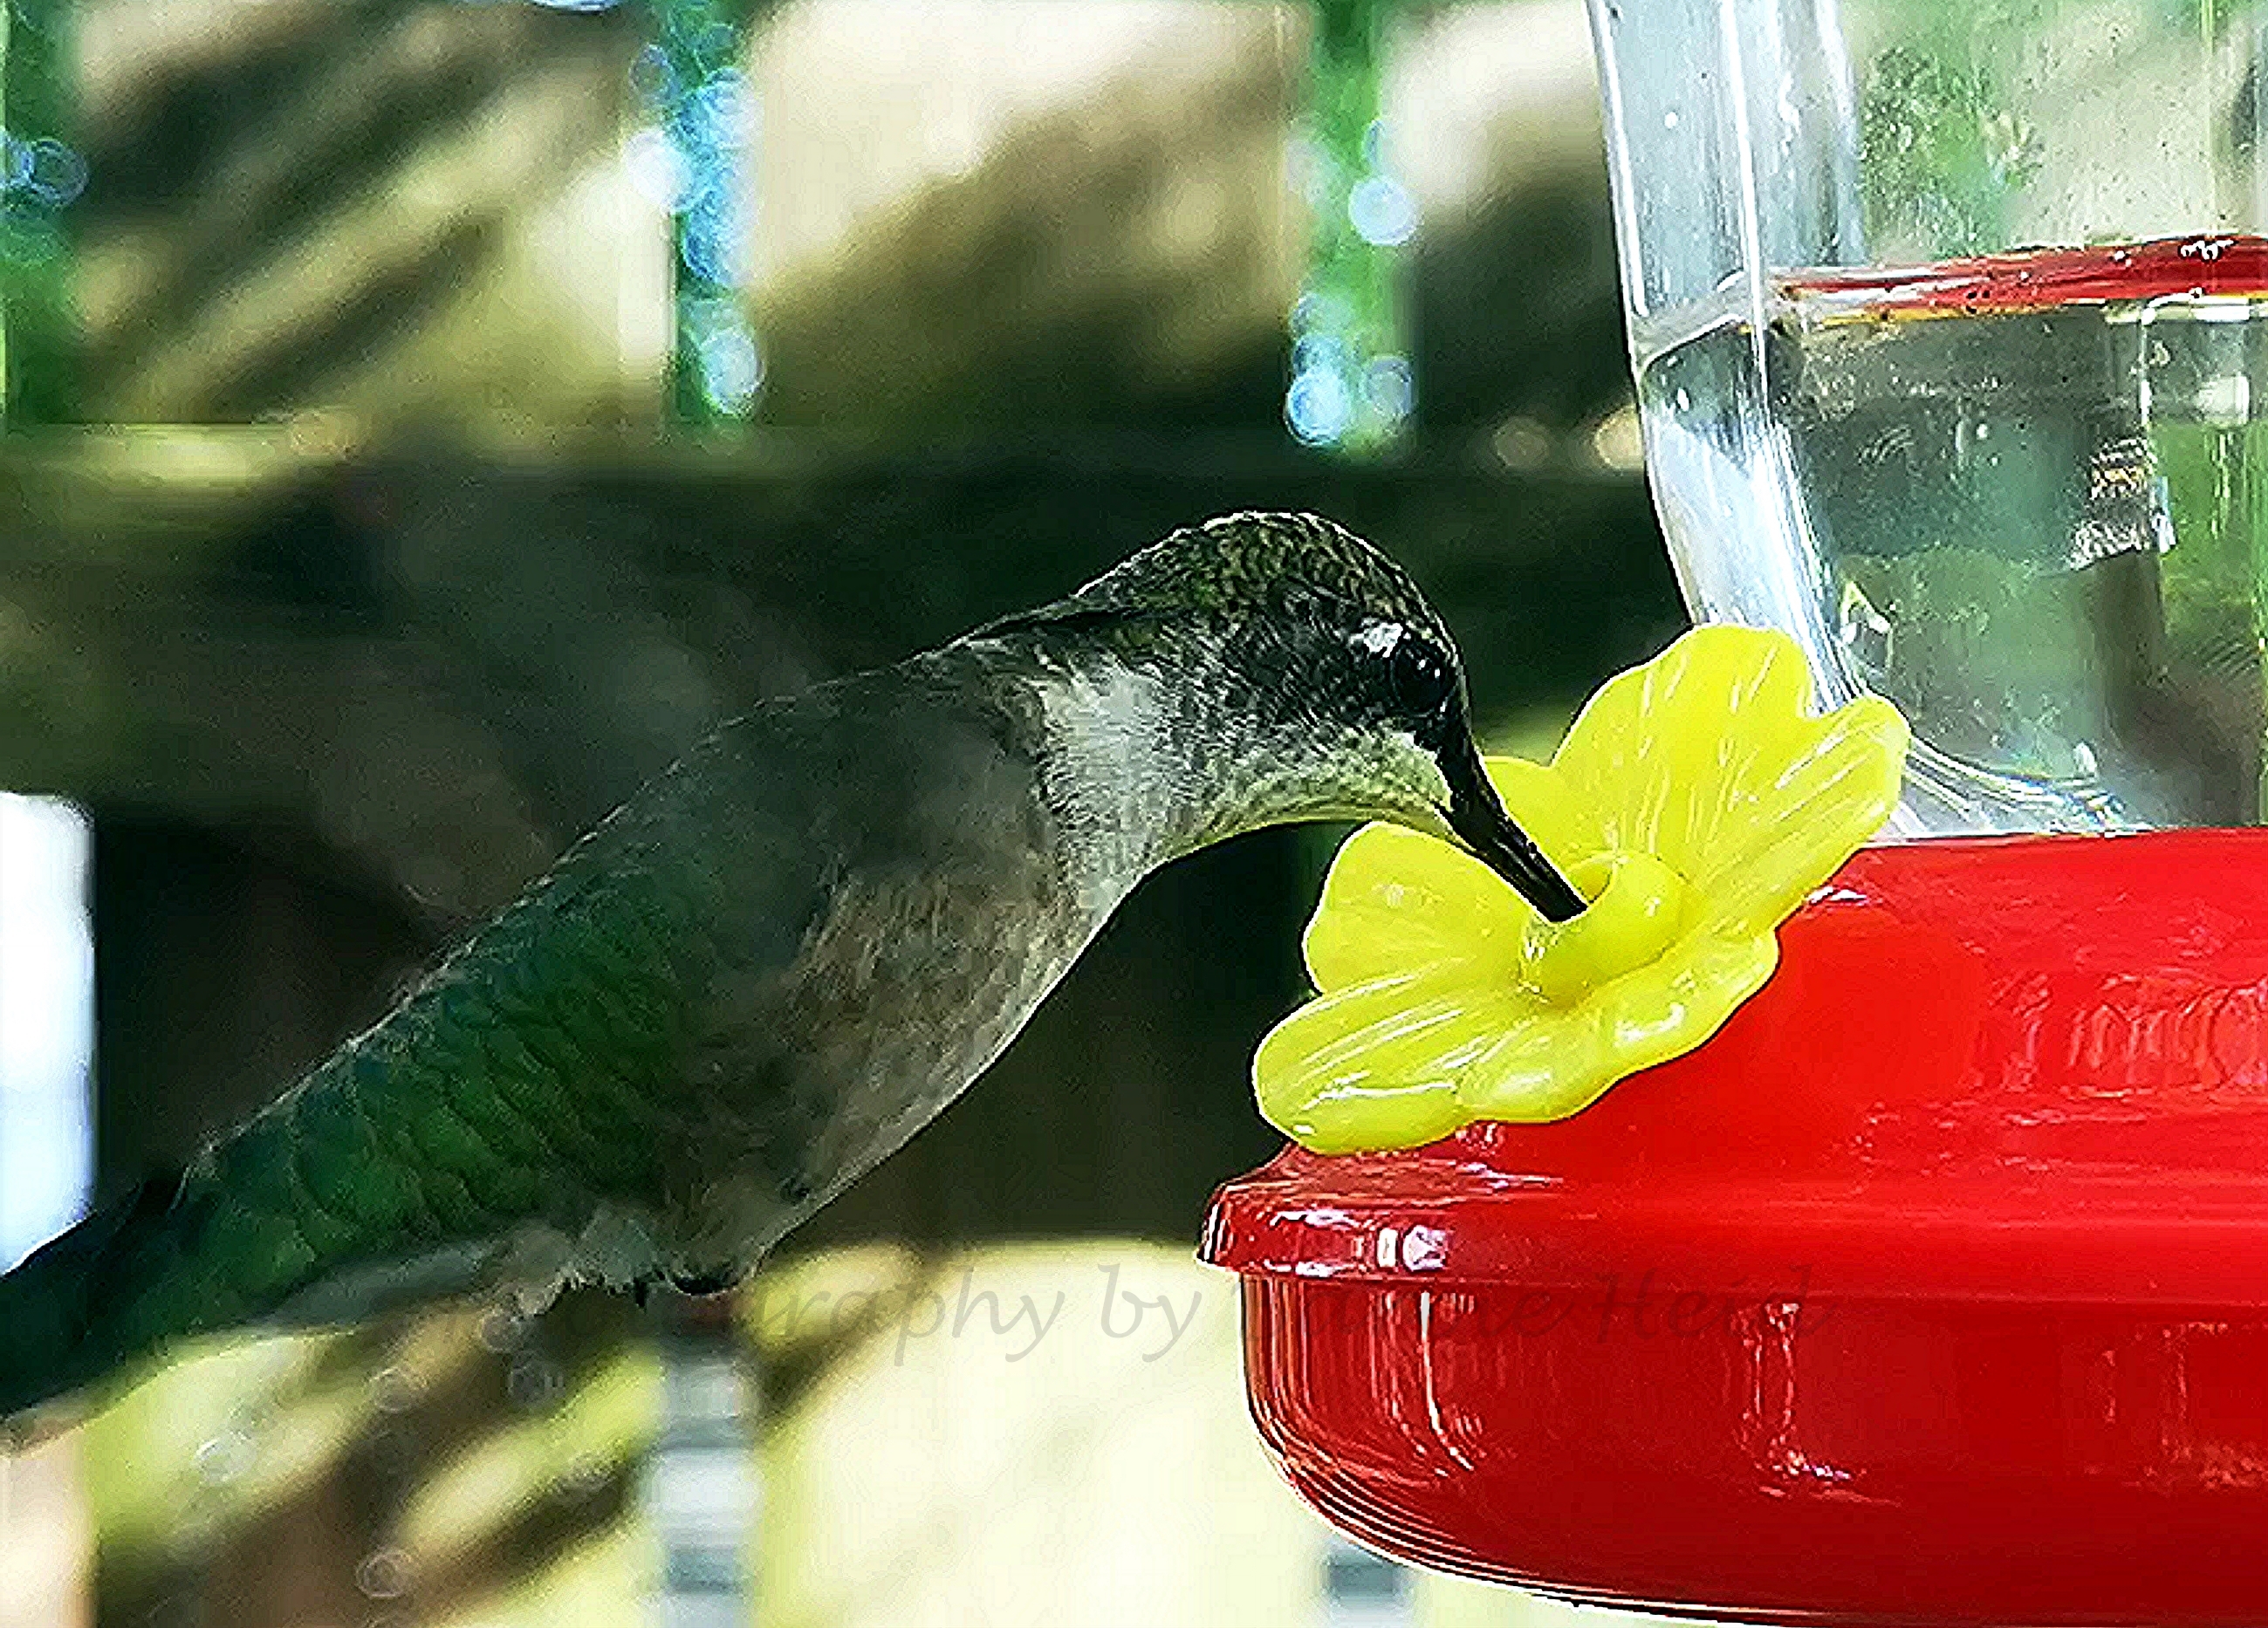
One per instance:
(1933, 1290)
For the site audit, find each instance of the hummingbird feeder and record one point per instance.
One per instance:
(1932, 1286)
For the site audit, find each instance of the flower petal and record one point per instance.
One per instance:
(1671, 753)
(1556, 1064)
(1538, 1069)
(1829, 801)
(1376, 1065)
(1396, 900)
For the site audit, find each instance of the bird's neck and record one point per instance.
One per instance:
(1131, 762)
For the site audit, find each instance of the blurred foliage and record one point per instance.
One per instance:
(375, 573)
(407, 211)
(469, 1454)
(693, 80)
(1352, 386)
(41, 175)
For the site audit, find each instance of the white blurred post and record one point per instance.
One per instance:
(47, 1160)
(700, 1492)
(1362, 1590)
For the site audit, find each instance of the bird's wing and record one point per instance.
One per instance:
(944, 918)
(756, 978)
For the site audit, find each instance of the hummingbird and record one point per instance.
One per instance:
(789, 952)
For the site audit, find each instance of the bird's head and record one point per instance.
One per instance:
(1313, 667)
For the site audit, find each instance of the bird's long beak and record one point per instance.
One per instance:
(1477, 815)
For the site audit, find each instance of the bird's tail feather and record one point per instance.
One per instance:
(230, 1242)
(173, 1259)
(74, 1308)
(492, 1104)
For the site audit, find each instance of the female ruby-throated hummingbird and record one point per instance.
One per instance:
(790, 951)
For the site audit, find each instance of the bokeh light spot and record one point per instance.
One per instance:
(1381, 210)
(1317, 406)
(1390, 386)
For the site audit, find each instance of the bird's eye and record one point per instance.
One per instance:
(1422, 678)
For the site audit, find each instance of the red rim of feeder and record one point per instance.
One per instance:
(1978, 1183)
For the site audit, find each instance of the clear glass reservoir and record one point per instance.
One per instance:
(1948, 323)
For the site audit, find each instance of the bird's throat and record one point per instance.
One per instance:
(1121, 793)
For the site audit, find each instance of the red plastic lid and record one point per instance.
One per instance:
(2030, 1068)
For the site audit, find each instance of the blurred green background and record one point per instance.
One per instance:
(425, 417)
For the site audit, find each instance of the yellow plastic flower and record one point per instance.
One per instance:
(1695, 802)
